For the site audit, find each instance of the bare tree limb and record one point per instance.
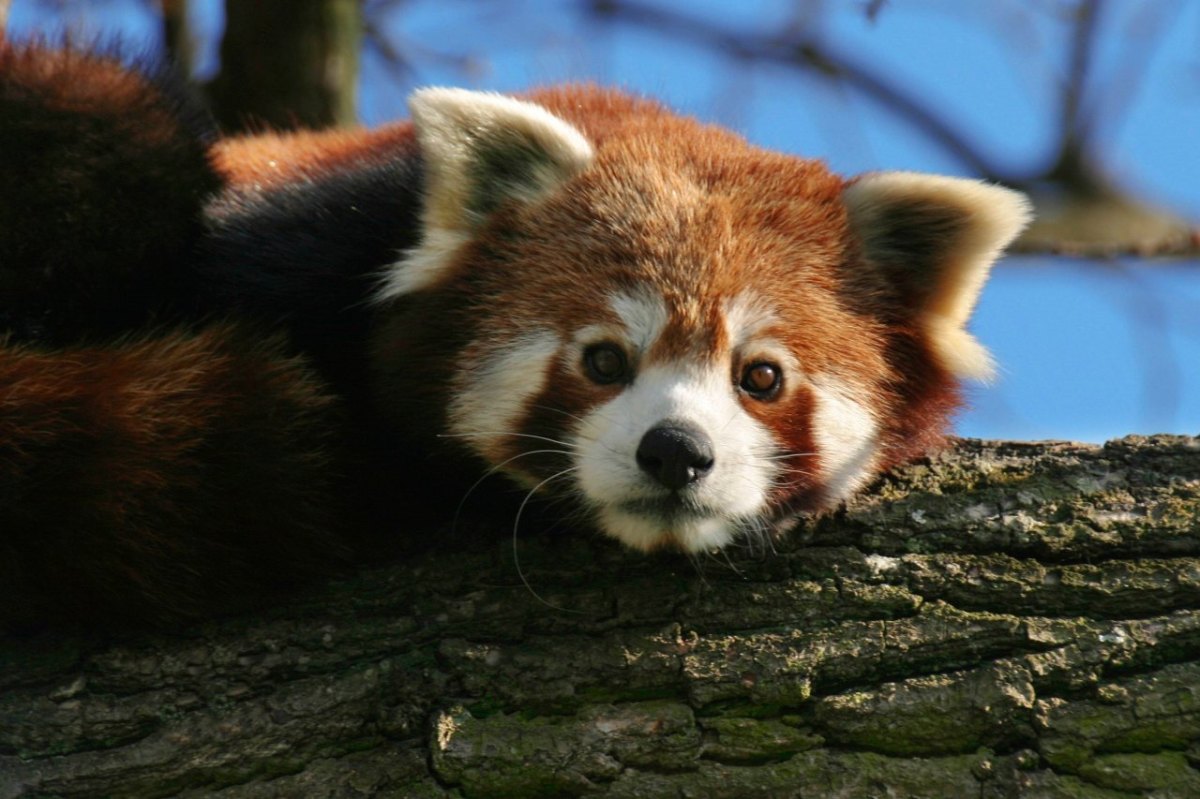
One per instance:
(1184, 244)
(1072, 128)
(288, 63)
(798, 50)
(177, 34)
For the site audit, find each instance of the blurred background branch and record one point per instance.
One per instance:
(797, 48)
(284, 63)
(296, 63)
(1089, 106)
(1081, 210)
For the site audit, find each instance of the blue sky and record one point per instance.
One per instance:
(1087, 350)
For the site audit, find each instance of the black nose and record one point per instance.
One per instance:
(675, 455)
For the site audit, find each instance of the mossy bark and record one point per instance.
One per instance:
(1003, 620)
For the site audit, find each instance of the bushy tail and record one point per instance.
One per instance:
(104, 173)
(152, 466)
(160, 476)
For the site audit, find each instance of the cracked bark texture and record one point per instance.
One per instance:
(1005, 619)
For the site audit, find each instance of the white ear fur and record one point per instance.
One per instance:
(956, 228)
(479, 148)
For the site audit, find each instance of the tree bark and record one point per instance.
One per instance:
(287, 64)
(1004, 619)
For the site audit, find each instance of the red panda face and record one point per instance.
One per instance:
(688, 337)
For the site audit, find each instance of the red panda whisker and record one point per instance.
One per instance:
(766, 533)
(492, 471)
(697, 562)
(732, 566)
(733, 418)
(620, 422)
(794, 470)
(604, 445)
(720, 557)
(515, 548)
(504, 434)
(785, 456)
(758, 538)
(598, 413)
(540, 407)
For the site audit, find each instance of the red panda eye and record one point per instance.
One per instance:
(761, 380)
(605, 363)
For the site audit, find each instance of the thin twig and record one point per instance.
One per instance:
(1186, 246)
(1083, 40)
(802, 51)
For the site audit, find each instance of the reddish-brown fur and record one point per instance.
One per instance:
(698, 216)
(271, 159)
(152, 477)
(103, 174)
(149, 470)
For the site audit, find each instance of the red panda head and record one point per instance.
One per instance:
(689, 336)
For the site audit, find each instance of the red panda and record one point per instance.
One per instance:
(686, 336)
(683, 337)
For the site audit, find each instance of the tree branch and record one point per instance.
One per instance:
(1005, 619)
(1072, 128)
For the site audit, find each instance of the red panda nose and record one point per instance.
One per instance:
(675, 456)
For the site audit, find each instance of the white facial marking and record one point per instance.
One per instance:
(846, 435)
(422, 266)
(747, 317)
(700, 396)
(646, 533)
(494, 391)
(644, 316)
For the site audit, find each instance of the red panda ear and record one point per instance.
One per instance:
(480, 149)
(935, 238)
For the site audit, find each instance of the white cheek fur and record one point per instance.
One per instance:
(846, 435)
(491, 397)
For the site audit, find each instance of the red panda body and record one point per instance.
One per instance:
(685, 338)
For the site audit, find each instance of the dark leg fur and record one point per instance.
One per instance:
(160, 477)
